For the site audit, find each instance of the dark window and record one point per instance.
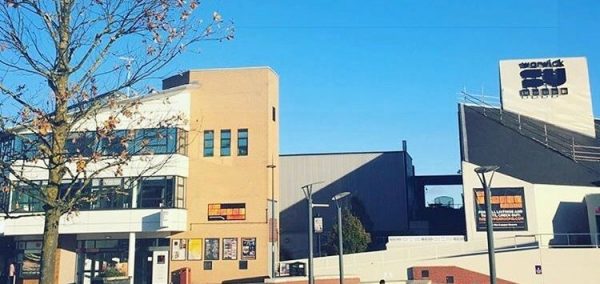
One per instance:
(156, 192)
(242, 142)
(70, 188)
(243, 264)
(156, 141)
(209, 143)
(26, 198)
(110, 193)
(117, 142)
(208, 265)
(225, 142)
(27, 146)
(81, 143)
(424, 274)
(449, 279)
(274, 113)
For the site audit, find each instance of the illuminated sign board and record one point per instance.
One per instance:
(508, 209)
(226, 211)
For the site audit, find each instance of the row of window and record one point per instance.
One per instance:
(135, 142)
(225, 139)
(113, 193)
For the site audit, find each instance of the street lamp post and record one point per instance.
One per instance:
(481, 171)
(337, 198)
(307, 189)
(272, 167)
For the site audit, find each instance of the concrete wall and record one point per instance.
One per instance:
(551, 209)
(593, 211)
(471, 182)
(562, 209)
(102, 221)
(575, 265)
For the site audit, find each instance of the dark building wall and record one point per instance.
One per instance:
(377, 181)
(488, 140)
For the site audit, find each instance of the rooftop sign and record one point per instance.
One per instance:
(554, 90)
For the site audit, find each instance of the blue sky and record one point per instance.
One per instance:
(365, 75)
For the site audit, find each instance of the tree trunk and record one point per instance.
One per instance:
(49, 246)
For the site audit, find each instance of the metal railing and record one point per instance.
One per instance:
(538, 131)
(510, 243)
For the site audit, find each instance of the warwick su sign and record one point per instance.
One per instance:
(543, 78)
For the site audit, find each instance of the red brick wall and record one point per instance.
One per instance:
(439, 274)
(354, 280)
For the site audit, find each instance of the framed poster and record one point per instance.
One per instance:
(195, 249)
(508, 209)
(30, 264)
(211, 249)
(230, 246)
(178, 249)
(248, 248)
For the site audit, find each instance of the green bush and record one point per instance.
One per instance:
(112, 272)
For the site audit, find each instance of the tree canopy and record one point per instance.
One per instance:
(65, 63)
(355, 237)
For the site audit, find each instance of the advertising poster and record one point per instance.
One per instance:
(31, 264)
(211, 249)
(248, 248)
(230, 248)
(195, 249)
(318, 225)
(508, 209)
(226, 211)
(178, 249)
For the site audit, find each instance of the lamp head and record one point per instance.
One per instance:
(340, 195)
(486, 169)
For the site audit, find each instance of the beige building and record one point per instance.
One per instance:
(207, 208)
(230, 174)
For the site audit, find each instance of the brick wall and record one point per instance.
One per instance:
(450, 274)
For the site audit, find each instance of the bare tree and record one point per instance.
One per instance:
(61, 67)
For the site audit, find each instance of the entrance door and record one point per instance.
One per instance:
(160, 267)
(88, 267)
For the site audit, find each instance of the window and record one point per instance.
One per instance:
(180, 193)
(156, 140)
(111, 193)
(26, 198)
(145, 141)
(242, 142)
(225, 142)
(116, 143)
(274, 113)
(156, 192)
(182, 141)
(209, 143)
(449, 279)
(243, 265)
(208, 265)
(26, 146)
(81, 143)
(424, 274)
